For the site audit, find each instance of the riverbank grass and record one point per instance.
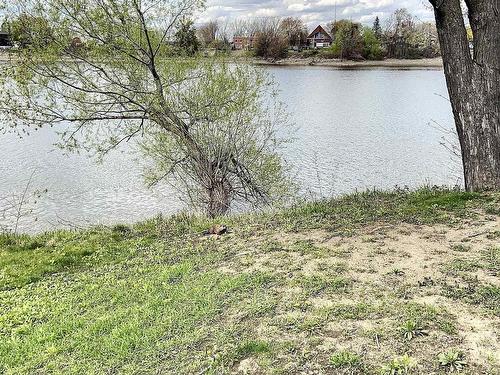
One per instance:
(375, 282)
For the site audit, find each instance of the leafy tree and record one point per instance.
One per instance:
(348, 42)
(5, 26)
(423, 42)
(377, 29)
(473, 79)
(186, 39)
(204, 120)
(372, 49)
(399, 33)
(27, 30)
(294, 30)
(270, 42)
(241, 165)
(215, 35)
(208, 33)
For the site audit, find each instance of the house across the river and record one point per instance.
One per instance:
(243, 42)
(319, 38)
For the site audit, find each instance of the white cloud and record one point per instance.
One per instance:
(369, 18)
(266, 12)
(298, 7)
(334, 3)
(366, 5)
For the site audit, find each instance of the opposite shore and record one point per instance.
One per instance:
(434, 63)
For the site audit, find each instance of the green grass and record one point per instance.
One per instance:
(345, 359)
(316, 284)
(476, 293)
(25, 260)
(103, 321)
(157, 297)
(491, 260)
(429, 205)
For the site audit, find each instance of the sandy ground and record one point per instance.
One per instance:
(5, 57)
(413, 263)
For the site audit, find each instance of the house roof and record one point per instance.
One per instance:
(319, 29)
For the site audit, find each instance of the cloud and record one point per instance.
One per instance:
(266, 12)
(298, 7)
(314, 12)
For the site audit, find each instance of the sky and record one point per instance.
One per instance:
(313, 12)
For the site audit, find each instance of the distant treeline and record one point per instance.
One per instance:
(402, 36)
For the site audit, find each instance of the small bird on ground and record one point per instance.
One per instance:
(217, 229)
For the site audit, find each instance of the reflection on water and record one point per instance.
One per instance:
(356, 129)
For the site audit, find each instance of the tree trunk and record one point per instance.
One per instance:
(473, 82)
(219, 200)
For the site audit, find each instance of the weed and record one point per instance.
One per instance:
(453, 360)
(399, 366)
(410, 329)
(351, 311)
(397, 272)
(493, 235)
(306, 247)
(252, 347)
(461, 248)
(345, 359)
(463, 265)
(492, 209)
(476, 293)
(121, 228)
(343, 253)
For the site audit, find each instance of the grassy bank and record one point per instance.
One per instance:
(368, 283)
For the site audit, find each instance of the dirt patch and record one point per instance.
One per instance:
(355, 293)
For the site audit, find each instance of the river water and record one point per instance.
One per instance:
(355, 129)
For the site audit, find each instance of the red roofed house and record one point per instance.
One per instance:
(243, 42)
(319, 38)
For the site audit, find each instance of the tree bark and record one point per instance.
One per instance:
(473, 80)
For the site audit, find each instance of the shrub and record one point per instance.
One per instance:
(372, 49)
(348, 40)
(327, 54)
(270, 46)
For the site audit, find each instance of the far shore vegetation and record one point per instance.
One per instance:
(402, 36)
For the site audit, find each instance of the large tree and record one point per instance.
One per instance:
(208, 32)
(270, 41)
(127, 81)
(473, 79)
(295, 31)
(186, 39)
(348, 42)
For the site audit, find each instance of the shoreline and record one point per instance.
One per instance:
(434, 63)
